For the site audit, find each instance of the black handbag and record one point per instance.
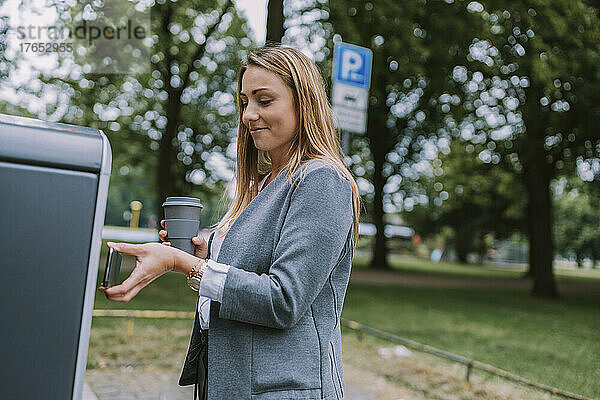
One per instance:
(195, 367)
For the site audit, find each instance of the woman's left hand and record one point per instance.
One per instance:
(151, 261)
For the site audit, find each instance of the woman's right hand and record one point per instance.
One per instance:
(200, 246)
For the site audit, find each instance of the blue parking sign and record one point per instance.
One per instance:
(352, 65)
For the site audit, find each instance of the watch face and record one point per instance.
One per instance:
(194, 283)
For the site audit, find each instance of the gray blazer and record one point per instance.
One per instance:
(276, 333)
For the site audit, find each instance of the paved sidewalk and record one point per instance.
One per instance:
(88, 394)
(123, 384)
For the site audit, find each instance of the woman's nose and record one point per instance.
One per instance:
(249, 114)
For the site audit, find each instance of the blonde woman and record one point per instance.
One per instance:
(274, 274)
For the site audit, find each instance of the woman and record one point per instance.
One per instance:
(283, 250)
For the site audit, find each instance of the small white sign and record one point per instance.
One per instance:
(350, 119)
(350, 96)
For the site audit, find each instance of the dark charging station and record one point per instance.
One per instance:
(53, 190)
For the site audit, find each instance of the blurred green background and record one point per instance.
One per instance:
(481, 140)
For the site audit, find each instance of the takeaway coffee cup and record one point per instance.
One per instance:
(182, 208)
(182, 220)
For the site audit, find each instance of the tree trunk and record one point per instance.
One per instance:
(537, 174)
(461, 243)
(579, 260)
(167, 154)
(528, 222)
(482, 250)
(541, 250)
(380, 250)
(275, 19)
(378, 146)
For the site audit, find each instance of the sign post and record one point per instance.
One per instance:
(350, 94)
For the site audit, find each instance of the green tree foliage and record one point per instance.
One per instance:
(415, 44)
(8, 63)
(576, 221)
(172, 129)
(520, 79)
(543, 61)
(4, 64)
(473, 198)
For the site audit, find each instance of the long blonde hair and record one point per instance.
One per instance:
(316, 138)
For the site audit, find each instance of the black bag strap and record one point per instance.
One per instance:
(210, 239)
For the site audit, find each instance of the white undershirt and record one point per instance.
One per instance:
(214, 278)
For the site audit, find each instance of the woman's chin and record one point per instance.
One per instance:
(260, 145)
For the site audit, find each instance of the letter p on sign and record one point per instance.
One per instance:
(352, 65)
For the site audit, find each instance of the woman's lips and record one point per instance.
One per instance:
(256, 130)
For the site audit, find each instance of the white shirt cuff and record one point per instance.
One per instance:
(204, 311)
(213, 281)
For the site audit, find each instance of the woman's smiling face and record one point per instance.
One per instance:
(269, 112)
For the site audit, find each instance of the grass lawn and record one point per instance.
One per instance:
(169, 292)
(412, 264)
(158, 343)
(552, 342)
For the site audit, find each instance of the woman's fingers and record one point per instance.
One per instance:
(162, 223)
(125, 248)
(128, 288)
(117, 293)
(163, 237)
(121, 293)
(200, 247)
(152, 261)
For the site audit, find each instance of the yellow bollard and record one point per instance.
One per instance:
(130, 327)
(136, 208)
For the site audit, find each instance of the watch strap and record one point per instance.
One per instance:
(195, 276)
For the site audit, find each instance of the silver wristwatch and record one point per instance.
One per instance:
(195, 276)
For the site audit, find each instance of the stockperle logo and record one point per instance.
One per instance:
(108, 36)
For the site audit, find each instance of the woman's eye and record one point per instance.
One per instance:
(264, 102)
